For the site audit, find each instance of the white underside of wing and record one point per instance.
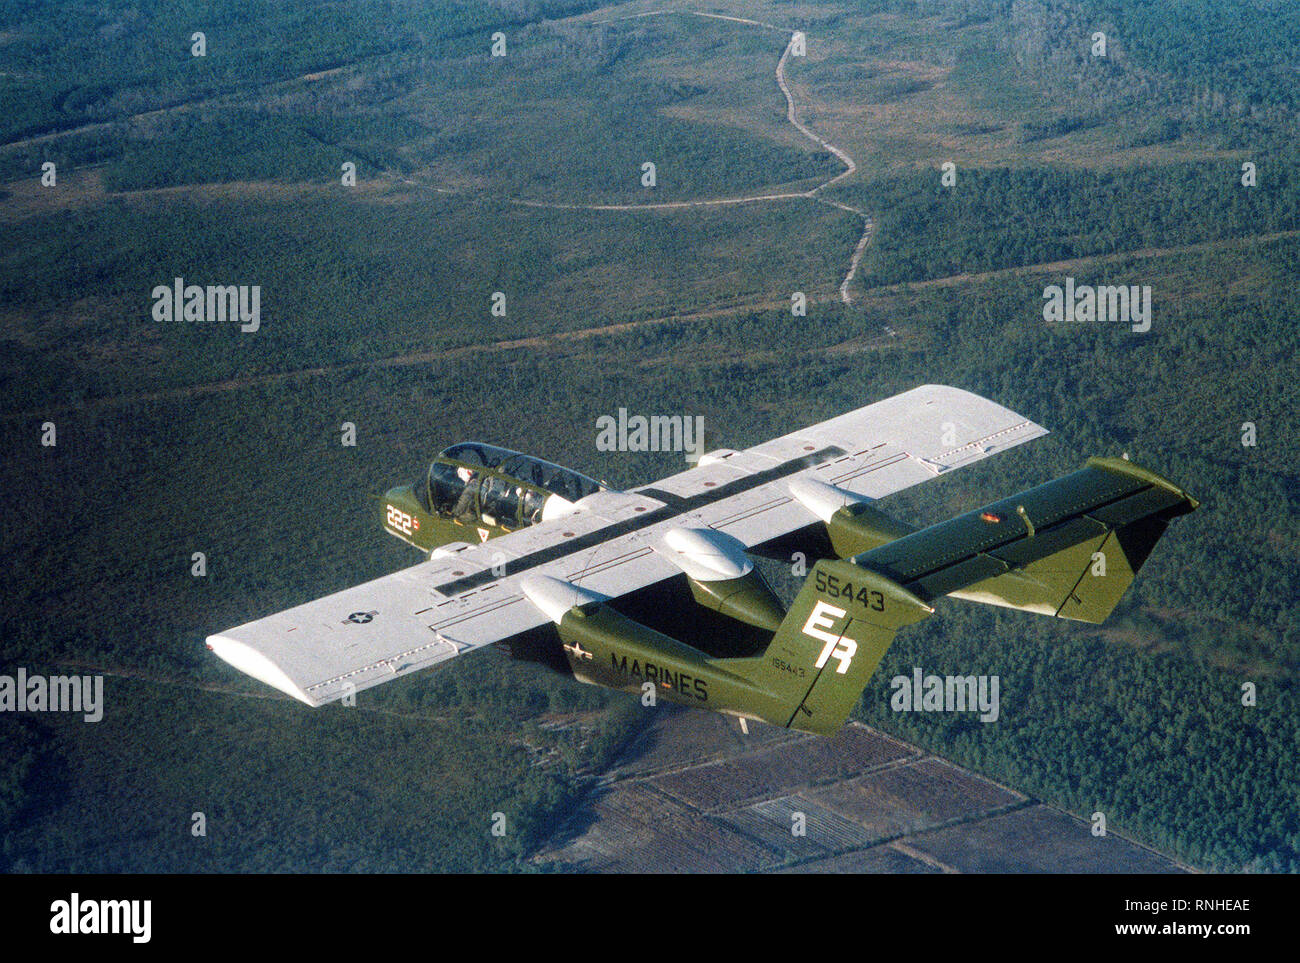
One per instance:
(612, 544)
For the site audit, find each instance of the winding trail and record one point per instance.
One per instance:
(850, 168)
(791, 115)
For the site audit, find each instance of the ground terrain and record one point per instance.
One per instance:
(521, 175)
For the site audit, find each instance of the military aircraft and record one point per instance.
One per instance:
(655, 589)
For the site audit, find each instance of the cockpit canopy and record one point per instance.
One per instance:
(499, 486)
(553, 478)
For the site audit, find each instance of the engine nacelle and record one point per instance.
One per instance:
(852, 522)
(722, 576)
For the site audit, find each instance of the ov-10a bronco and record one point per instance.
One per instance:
(656, 586)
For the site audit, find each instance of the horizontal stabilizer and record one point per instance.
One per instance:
(1069, 548)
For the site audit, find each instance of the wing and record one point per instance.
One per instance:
(612, 544)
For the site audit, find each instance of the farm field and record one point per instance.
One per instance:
(865, 803)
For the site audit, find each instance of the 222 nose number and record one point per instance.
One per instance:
(401, 521)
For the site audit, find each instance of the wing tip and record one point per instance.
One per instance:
(949, 393)
(251, 662)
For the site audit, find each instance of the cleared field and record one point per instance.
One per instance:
(879, 859)
(642, 831)
(802, 762)
(906, 799)
(772, 823)
(865, 802)
(1038, 839)
(709, 738)
(905, 93)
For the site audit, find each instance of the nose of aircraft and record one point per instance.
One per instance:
(400, 510)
